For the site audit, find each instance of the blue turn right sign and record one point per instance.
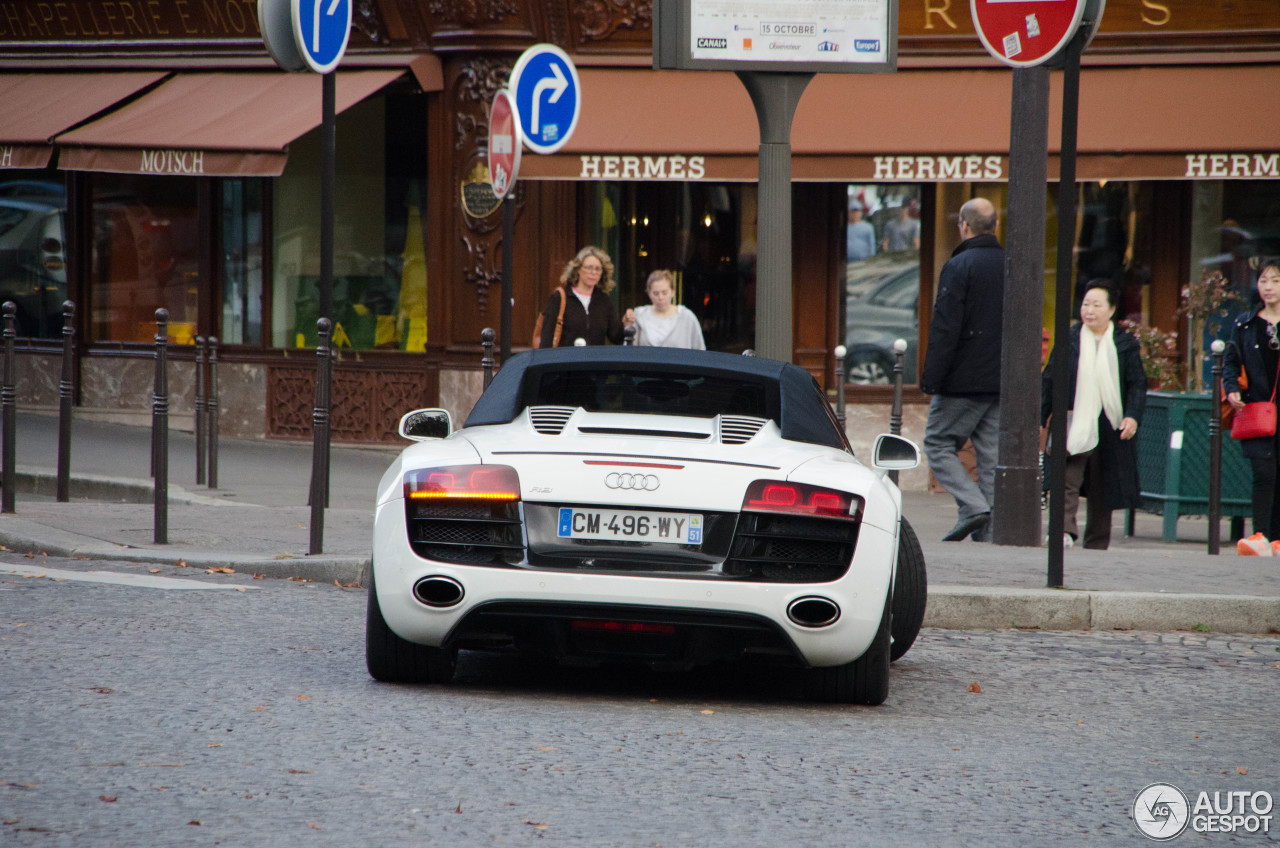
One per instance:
(321, 29)
(548, 97)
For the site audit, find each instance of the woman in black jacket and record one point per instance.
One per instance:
(1254, 351)
(1109, 391)
(588, 311)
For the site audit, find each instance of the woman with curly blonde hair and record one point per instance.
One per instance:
(588, 311)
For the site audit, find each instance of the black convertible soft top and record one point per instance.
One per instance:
(785, 393)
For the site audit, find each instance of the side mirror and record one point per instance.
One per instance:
(422, 424)
(894, 453)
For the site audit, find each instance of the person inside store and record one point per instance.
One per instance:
(664, 323)
(860, 237)
(1250, 366)
(1109, 390)
(901, 232)
(588, 310)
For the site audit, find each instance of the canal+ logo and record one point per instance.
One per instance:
(713, 43)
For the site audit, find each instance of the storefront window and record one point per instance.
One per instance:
(705, 233)
(882, 280)
(242, 261)
(33, 259)
(1233, 229)
(380, 283)
(145, 256)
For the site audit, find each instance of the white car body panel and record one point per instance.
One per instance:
(571, 468)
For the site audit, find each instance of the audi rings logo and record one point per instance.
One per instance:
(639, 482)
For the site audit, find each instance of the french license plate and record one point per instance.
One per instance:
(676, 528)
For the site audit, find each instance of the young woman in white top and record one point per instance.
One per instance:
(664, 323)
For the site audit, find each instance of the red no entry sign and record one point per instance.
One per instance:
(504, 144)
(1023, 33)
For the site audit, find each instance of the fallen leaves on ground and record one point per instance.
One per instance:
(219, 570)
(539, 825)
(1241, 770)
(355, 584)
(974, 688)
(101, 690)
(708, 712)
(304, 698)
(182, 563)
(283, 556)
(110, 799)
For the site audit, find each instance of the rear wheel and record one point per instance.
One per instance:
(394, 660)
(863, 681)
(910, 592)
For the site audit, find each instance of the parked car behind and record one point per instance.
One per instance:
(879, 316)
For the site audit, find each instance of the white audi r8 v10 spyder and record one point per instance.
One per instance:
(669, 507)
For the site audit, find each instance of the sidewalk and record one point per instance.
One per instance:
(258, 521)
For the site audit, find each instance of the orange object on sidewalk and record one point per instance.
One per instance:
(1256, 545)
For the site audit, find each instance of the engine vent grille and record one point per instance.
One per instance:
(739, 429)
(550, 420)
(791, 548)
(468, 532)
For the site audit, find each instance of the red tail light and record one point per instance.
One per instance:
(483, 482)
(801, 499)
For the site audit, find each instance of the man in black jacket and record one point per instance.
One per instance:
(962, 369)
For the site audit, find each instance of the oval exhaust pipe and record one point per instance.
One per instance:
(438, 591)
(813, 611)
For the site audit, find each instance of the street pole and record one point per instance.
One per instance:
(775, 96)
(1016, 513)
(1062, 305)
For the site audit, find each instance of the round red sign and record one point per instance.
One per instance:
(504, 143)
(1023, 33)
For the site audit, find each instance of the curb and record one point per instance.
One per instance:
(973, 608)
(28, 537)
(30, 481)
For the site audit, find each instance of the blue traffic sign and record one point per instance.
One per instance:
(321, 29)
(548, 97)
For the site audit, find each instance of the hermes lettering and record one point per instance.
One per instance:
(68, 20)
(1232, 165)
(939, 168)
(643, 167)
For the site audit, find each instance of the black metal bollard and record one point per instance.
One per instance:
(320, 434)
(211, 412)
(65, 387)
(486, 361)
(895, 413)
(841, 353)
(200, 411)
(160, 429)
(8, 409)
(1215, 456)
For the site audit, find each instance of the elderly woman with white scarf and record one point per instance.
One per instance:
(1109, 390)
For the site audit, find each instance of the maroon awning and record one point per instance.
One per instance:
(36, 107)
(213, 124)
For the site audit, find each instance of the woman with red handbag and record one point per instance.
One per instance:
(1254, 351)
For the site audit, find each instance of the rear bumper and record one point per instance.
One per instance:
(860, 593)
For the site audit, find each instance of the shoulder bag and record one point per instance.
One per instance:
(1257, 419)
(537, 327)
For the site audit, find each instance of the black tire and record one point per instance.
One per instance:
(863, 681)
(394, 660)
(910, 592)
